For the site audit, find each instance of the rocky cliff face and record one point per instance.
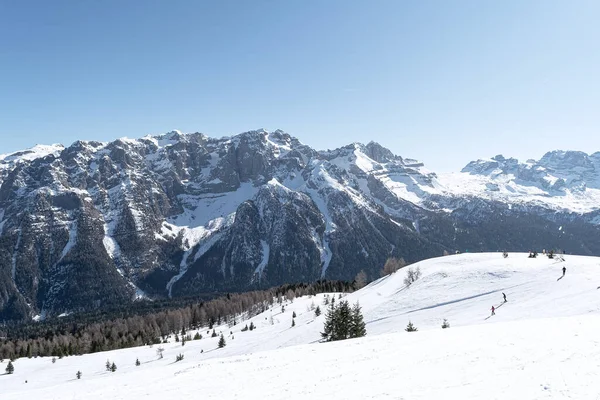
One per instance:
(96, 224)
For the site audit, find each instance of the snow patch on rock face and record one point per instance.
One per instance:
(110, 244)
(265, 258)
(72, 240)
(209, 241)
(199, 210)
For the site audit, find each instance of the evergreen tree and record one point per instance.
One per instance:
(445, 324)
(252, 327)
(78, 374)
(10, 368)
(179, 357)
(410, 327)
(294, 314)
(222, 342)
(107, 365)
(113, 367)
(329, 329)
(214, 334)
(357, 324)
(343, 320)
(293, 322)
(197, 336)
(317, 311)
(53, 360)
(137, 362)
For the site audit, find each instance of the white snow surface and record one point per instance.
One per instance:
(541, 344)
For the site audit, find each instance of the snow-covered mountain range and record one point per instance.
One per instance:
(94, 224)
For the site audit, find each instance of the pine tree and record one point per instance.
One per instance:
(410, 327)
(294, 314)
(137, 362)
(53, 360)
(317, 311)
(214, 334)
(113, 367)
(78, 374)
(329, 328)
(293, 322)
(252, 327)
(445, 324)
(107, 365)
(343, 320)
(222, 342)
(357, 324)
(197, 336)
(10, 368)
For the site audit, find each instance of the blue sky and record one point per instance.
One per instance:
(442, 81)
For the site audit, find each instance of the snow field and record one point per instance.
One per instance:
(542, 344)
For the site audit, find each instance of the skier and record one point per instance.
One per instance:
(564, 270)
(493, 310)
(504, 297)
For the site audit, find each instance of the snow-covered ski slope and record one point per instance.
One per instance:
(542, 344)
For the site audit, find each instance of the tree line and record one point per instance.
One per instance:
(94, 332)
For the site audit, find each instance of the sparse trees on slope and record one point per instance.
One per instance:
(357, 323)
(10, 368)
(317, 311)
(410, 327)
(342, 322)
(412, 275)
(360, 281)
(392, 265)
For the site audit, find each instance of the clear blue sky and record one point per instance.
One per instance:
(442, 81)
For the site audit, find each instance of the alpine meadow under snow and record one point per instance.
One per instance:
(541, 344)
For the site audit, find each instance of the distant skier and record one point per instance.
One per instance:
(493, 310)
(564, 270)
(504, 295)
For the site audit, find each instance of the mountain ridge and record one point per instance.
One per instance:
(185, 214)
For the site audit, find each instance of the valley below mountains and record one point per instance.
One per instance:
(97, 224)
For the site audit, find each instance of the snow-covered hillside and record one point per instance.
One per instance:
(541, 344)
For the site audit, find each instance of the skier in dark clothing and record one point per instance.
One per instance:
(504, 297)
(493, 310)
(564, 270)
